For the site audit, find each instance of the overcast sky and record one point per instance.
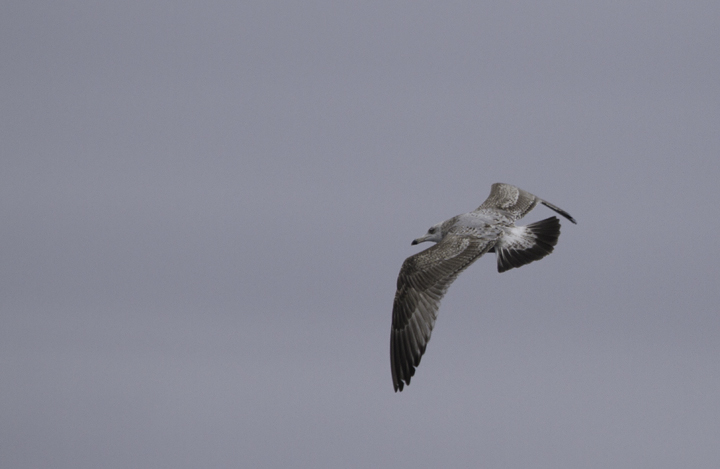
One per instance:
(205, 206)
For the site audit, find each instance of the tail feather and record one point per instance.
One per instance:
(525, 244)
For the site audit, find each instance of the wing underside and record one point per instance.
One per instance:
(423, 281)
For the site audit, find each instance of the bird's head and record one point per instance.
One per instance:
(433, 234)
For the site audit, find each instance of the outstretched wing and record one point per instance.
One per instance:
(516, 201)
(423, 280)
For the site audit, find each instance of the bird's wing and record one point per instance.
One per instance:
(423, 280)
(516, 202)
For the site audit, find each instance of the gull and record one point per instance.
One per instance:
(425, 277)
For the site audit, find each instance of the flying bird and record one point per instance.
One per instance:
(425, 277)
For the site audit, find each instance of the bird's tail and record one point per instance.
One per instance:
(525, 244)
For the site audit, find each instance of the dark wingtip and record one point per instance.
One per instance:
(558, 210)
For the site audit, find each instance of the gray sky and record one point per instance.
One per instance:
(205, 206)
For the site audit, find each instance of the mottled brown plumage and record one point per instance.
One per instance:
(425, 277)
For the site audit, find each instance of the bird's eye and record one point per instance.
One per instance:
(431, 230)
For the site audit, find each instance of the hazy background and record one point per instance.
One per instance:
(204, 207)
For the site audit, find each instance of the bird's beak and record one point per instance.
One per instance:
(419, 240)
(414, 242)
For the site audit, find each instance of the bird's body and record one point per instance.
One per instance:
(425, 277)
